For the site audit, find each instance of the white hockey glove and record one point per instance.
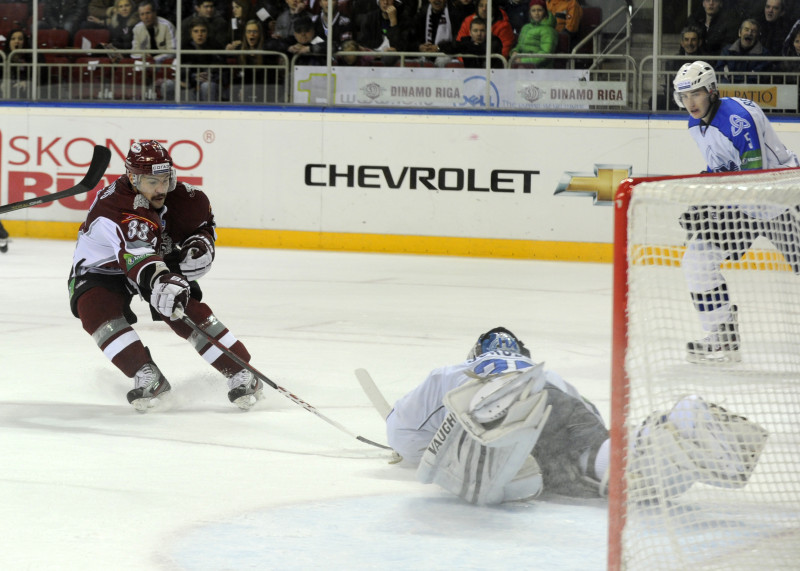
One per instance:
(170, 291)
(197, 254)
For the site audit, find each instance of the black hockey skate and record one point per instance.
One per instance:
(720, 346)
(150, 390)
(246, 389)
(3, 239)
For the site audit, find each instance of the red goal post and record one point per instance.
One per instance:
(758, 525)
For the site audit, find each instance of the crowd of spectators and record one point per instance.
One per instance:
(760, 29)
(525, 30)
(367, 25)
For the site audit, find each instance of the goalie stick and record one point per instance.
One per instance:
(97, 168)
(378, 401)
(294, 398)
(373, 393)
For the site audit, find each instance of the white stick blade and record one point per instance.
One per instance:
(373, 393)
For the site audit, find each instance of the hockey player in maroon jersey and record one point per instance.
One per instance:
(149, 234)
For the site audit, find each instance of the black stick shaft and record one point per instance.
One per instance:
(292, 397)
(97, 168)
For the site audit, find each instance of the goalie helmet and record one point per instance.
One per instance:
(149, 158)
(498, 339)
(693, 76)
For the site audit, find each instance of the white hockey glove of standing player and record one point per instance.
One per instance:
(170, 291)
(197, 254)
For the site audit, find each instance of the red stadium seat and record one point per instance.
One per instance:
(13, 15)
(53, 39)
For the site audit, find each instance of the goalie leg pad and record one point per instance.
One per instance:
(479, 474)
(725, 447)
(696, 441)
(659, 467)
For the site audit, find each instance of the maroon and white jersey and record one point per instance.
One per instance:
(123, 234)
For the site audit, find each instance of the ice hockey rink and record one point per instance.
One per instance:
(87, 483)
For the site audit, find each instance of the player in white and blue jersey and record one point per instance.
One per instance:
(734, 135)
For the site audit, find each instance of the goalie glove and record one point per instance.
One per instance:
(197, 253)
(170, 291)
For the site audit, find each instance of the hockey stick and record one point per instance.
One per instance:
(378, 401)
(373, 393)
(97, 168)
(294, 398)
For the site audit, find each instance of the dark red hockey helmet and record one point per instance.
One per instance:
(148, 157)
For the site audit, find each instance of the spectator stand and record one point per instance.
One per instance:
(776, 90)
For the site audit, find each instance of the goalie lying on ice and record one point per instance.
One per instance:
(500, 427)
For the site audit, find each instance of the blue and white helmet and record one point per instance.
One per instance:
(693, 76)
(498, 339)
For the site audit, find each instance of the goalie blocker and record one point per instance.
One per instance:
(482, 450)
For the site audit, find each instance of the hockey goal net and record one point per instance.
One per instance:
(750, 526)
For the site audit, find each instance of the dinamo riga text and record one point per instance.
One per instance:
(413, 178)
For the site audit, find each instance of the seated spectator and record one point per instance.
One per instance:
(501, 27)
(153, 32)
(284, 24)
(200, 78)
(460, 10)
(20, 85)
(517, 11)
(691, 47)
(793, 66)
(241, 11)
(66, 15)
(350, 59)
(746, 45)
(339, 28)
(120, 22)
(792, 50)
(719, 25)
(385, 29)
(217, 26)
(538, 36)
(775, 25)
(251, 80)
(788, 44)
(432, 26)
(568, 15)
(306, 44)
(99, 11)
(475, 45)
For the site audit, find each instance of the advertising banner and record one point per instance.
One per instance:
(456, 87)
(460, 175)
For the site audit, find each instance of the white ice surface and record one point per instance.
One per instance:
(87, 483)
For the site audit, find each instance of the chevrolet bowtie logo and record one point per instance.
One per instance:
(602, 184)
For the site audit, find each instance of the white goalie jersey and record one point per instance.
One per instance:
(416, 417)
